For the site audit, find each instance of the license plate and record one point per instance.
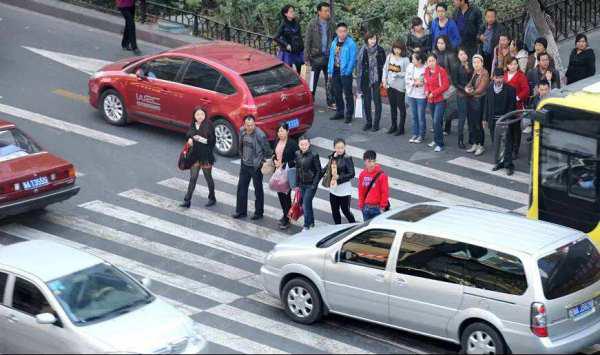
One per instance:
(295, 123)
(35, 183)
(582, 310)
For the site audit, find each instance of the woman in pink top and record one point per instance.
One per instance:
(436, 84)
(129, 42)
(285, 157)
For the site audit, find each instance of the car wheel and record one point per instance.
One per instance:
(226, 138)
(480, 338)
(302, 301)
(113, 108)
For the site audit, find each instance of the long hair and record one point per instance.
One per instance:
(206, 127)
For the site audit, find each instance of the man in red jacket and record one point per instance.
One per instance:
(129, 42)
(373, 189)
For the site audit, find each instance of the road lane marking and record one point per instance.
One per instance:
(235, 342)
(486, 168)
(148, 246)
(71, 95)
(175, 230)
(84, 64)
(66, 126)
(205, 215)
(159, 275)
(434, 174)
(285, 330)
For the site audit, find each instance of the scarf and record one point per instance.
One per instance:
(498, 88)
(371, 53)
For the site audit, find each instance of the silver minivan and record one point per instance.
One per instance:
(491, 282)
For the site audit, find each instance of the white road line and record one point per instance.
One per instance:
(235, 342)
(486, 168)
(318, 204)
(66, 126)
(158, 249)
(265, 298)
(83, 64)
(175, 230)
(205, 215)
(284, 330)
(131, 266)
(523, 210)
(434, 174)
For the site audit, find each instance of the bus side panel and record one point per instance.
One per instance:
(534, 212)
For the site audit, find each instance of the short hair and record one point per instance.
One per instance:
(446, 41)
(509, 60)
(416, 21)
(542, 41)
(341, 24)
(339, 140)
(369, 35)
(580, 36)
(544, 82)
(286, 8)
(249, 118)
(490, 9)
(370, 155)
(543, 54)
(505, 34)
(442, 5)
(401, 46)
(303, 138)
(322, 5)
(499, 72)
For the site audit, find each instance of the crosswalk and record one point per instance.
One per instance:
(207, 264)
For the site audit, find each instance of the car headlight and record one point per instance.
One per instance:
(97, 74)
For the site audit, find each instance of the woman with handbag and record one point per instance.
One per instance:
(284, 158)
(370, 62)
(201, 142)
(308, 171)
(337, 177)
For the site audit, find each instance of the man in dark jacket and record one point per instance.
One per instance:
(308, 171)
(317, 41)
(489, 36)
(500, 100)
(469, 21)
(254, 148)
(543, 71)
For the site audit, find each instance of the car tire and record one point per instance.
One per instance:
(113, 108)
(481, 338)
(302, 301)
(226, 138)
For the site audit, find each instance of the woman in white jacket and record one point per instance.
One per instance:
(417, 100)
(394, 74)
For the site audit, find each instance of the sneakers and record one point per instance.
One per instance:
(480, 150)
(412, 139)
(473, 148)
(431, 145)
(438, 149)
(419, 140)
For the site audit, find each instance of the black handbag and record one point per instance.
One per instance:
(185, 162)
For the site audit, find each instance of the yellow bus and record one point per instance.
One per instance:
(565, 168)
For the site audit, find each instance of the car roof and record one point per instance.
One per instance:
(504, 231)
(6, 124)
(46, 260)
(233, 56)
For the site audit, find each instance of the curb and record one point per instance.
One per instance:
(108, 24)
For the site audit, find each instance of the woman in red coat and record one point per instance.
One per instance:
(436, 84)
(517, 79)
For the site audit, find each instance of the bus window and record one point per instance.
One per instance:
(583, 178)
(554, 169)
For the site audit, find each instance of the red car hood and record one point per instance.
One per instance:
(119, 65)
(36, 163)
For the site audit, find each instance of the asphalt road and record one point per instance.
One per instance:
(201, 261)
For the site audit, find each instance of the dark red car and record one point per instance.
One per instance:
(230, 80)
(30, 178)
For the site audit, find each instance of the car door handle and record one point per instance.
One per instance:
(11, 318)
(380, 278)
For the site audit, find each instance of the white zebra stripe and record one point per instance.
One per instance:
(235, 342)
(486, 168)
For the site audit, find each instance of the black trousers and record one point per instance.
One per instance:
(474, 117)
(285, 199)
(397, 103)
(372, 93)
(129, 39)
(194, 172)
(513, 133)
(247, 174)
(317, 69)
(342, 89)
(342, 203)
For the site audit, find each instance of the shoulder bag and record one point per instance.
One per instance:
(388, 206)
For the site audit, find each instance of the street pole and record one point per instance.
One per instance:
(331, 8)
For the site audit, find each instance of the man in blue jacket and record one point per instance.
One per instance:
(443, 25)
(342, 60)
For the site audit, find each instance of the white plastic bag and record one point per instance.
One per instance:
(358, 107)
(311, 82)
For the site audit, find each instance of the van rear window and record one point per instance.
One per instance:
(271, 80)
(570, 269)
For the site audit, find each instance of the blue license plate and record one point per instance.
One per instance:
(295, 123)
(35, 183)
(582, 309)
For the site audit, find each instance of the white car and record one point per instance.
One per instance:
(56, 299)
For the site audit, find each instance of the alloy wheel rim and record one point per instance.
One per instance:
(481, 343)
(224, 138)
(300, 302)
(113, 107)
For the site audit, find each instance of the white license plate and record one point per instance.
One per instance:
(582, 310)
(295, 123)
(35, 183)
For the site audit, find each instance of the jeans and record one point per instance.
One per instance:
(342, 89)
(194, 172)
(308, 193)
(343, 203)
(370, 212)
(474, 118)
(372, 93)
(419, 126)
(129, 40)
(397, 102)
(461, 105)
(437, 112)
(317, 69)
(285, 200)
(248, 173)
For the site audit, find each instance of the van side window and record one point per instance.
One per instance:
(370, 248)
(28, 299)
(460, 263)
(3, 279)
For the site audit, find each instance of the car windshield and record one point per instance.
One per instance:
(339, 235)
(271, 80)
(14, 144)
(570, 269)
(98, 293)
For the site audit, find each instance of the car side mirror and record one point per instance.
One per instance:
(335, 257)
(146, 282)
(46, 318)
(140, 74)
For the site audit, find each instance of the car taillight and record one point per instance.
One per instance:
(8, 188)
(539, 321)
(72, 172)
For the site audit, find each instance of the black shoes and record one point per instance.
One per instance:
(392, 130)
(336, 118)
(399, 132)
(284, 223)
(136, 51)
(498, 167)
(348, 120)
(211, 203)
(367, 127)
(510, 171)
(239, 215)
(256, 217)
(461, 144)
(375, 129)
(185, 204)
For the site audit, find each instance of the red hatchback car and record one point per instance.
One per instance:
(229, 80)
(30, 178)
